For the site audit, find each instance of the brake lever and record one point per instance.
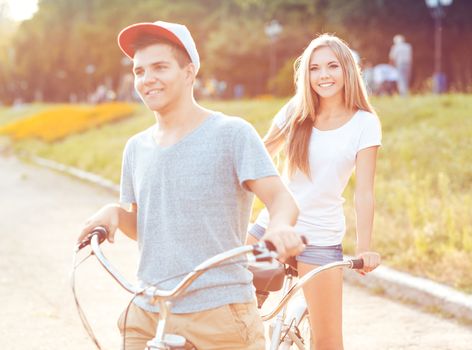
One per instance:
(264, 251)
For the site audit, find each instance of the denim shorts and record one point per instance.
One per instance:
(314, 255)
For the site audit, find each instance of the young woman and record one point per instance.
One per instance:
(328, 129)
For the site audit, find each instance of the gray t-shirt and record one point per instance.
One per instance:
(192, 205)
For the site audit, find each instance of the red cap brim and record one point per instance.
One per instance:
(128, 36)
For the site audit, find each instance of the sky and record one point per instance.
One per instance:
(20, 10)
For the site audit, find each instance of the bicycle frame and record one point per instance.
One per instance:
(163, 341)
(295, 312)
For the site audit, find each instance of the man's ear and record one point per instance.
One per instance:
(190, 72)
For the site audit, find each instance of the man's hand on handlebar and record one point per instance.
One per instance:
(106, 217)
(287, 242)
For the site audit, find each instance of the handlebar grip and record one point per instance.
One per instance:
(357, 264)
(100, 231)
(271, 247)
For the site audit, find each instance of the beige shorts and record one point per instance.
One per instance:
(233, 326)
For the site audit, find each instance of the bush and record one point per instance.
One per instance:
(60, 122)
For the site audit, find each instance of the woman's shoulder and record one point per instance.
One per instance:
(369, 126)
(363, 114)
(366, 117)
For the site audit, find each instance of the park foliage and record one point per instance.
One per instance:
(424, 174)
(59, 122)
(69, 47)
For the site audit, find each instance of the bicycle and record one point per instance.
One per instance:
(262, 252)
(291, 327)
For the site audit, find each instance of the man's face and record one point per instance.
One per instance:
(158, 78)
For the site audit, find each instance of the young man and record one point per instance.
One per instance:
(188, 181)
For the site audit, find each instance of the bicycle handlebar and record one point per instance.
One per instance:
(99, 231)
(272, 248)
(349, 263)
(356, 264)
(260, 252)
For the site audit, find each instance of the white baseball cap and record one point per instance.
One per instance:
(177, 33)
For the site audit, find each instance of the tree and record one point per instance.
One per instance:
(69, 47)
(7, 28)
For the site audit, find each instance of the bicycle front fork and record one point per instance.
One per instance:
(163, 340)
(278, 327)
(171, 342)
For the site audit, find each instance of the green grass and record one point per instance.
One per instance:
(424, 175)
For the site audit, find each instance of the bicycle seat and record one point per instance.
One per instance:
(291, 266)
(271, 280)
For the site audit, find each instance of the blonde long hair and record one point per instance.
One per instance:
(303, 107)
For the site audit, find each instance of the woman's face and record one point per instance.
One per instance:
(326, 74)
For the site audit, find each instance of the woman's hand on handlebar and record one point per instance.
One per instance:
(371, 261)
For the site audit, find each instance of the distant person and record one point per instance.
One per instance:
(401, 56)
(99, 95)
(368, 76)
(386, 79)
(238, 91)
(357, 57)
(187, 187)
(126, 88)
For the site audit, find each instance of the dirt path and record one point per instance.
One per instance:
(41, 213)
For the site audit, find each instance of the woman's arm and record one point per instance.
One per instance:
(364, 205)
(274, 147)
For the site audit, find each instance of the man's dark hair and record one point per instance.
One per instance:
(179, 52)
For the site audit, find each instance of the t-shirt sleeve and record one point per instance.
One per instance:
(251, 160)
(371, 134)
(126, 183)
(281, 117)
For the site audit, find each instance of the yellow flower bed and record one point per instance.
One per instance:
(55, 124)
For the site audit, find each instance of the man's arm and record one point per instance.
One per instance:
(127, 221)
(283, 213)
(113, 217)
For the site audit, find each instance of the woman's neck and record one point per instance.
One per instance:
(331, 107)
